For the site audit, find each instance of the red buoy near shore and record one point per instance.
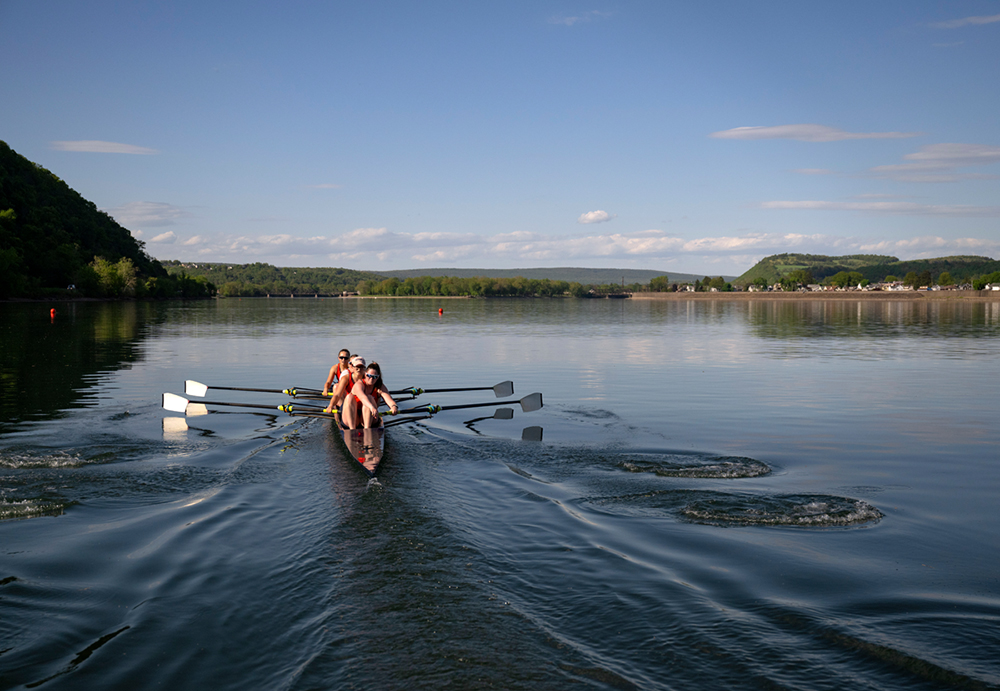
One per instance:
(440, 311)
(52, 314)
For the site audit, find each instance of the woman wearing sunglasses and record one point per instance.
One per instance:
(337, 371)
(367, 392)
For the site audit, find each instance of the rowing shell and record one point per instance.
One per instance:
(365, 446)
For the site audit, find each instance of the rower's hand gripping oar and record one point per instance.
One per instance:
(179, 404)
(195, 388)
(529, 403)
(502, 390)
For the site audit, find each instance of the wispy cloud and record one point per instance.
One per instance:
(938, 162)
(165, 238)
(590, 16)
(806, 133)
(147, 214)
(889, 208)
(94, 146)
(595, 217)
(967, 21)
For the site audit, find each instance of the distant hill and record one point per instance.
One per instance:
(259, 279)
(874, 267)
(569, 274)
(49, 233)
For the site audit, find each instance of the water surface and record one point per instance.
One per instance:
(733, 495)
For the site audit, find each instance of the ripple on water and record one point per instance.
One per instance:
(732, 509)
(801, 510)
(30, 508)
(33, 460)
(695, 465)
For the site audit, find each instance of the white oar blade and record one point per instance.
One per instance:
(194, 388)
(531, 402)
(504, 389)
(195, 409)
(503, 414)
(174, 403)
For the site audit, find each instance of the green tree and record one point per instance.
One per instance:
(945, 279)
(659, 284)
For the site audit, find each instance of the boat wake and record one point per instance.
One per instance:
(726, 509)
(694, 465)
(801, 510)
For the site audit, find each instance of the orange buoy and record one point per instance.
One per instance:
(440, 311)
(52, 313)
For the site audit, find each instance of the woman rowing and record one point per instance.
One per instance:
(337, 371)
(341, 398)
(366, 392)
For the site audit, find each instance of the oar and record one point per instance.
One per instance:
(194, 388)
(179, 404)
(502, 390)
(529, 403)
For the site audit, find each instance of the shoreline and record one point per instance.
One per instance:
(861, 296)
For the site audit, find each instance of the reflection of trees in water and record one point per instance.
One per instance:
(47, 365)
(782, 319)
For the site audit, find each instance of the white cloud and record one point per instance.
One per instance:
(95, 146)
(805, 133)
(194, 240)
(967, 21)
(937, 163)
(595, 217)
(590, 16)
(379, 247)
(147, 214)
(893, 208)
(168, 237)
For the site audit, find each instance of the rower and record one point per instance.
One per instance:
(342, 397)
(366, 392)
(337, 371)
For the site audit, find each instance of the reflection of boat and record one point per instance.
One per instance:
(364, 445)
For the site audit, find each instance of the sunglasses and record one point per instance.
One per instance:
(343, 357)
(371, 376)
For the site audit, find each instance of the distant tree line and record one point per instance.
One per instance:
(259, 279)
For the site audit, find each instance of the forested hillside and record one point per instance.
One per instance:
(52, 238)
(259, 279)
(817, 268)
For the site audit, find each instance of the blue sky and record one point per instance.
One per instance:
(680, 136)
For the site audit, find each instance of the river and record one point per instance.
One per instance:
(744, 494)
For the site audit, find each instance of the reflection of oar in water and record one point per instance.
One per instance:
(502, 390)
(498, 414)
(179, 404)
(194, 388)
(531, 434)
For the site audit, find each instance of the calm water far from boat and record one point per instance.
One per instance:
(728, 494)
